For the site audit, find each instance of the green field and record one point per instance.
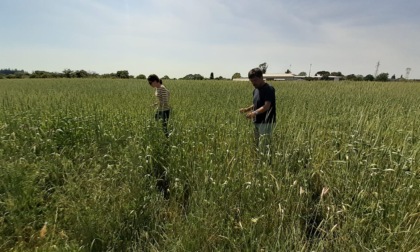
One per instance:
(82, 161)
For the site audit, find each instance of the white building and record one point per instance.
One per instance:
(275, 77)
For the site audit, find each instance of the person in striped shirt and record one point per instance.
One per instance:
(162, 95)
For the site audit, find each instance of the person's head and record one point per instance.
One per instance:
(154, 80)
(255, 75)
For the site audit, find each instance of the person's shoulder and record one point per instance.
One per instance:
(268, 86)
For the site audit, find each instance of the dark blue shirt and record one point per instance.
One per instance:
(261, 95)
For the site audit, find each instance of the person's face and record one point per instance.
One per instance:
(154, 84)
(257, 82)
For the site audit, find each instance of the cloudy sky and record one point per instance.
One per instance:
(180, 37)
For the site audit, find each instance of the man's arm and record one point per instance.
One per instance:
(265, 107)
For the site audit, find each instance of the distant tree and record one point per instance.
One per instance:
(324, 75)
(67, 73)
(166, 77)
(288, 71)
(81, 74)
(359, 77)
(141, 76)
(123, 74)
(336, 74)
(263, 67)
(20, 75)
(393, 77)
(11, 71)
(382, 77)
(109, 75)
(302, 74)
(351, 77)
(93, 74)
(193, 77)
(6, 71)
(369, 77)
(236, 76)
(211, 76)
(40, 74)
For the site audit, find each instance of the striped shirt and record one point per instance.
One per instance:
(162, 95)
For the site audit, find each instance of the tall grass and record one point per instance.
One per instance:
(84, 166)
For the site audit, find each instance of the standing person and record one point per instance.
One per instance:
(262, 111)
(162, 95)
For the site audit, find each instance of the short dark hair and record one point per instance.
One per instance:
(152, 78)
(255, 72)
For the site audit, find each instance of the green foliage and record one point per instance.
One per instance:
(383, 77)
(79, 158)
(336, 74)
(353, 77)
(123, 74)
(193, 77)
(369, 77)
(236, 75)
(45, 74)
(9, 71)
(81, 74)
(141, 77)
(68, 73)
(324, 75)
(211, 76)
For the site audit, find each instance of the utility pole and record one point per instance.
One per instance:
(310, 67)
(377, 68)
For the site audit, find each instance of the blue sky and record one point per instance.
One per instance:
(180, 37)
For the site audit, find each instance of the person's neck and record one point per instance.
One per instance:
(262, 85)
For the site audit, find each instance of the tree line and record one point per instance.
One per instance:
(325, 75)
(68, 73)
(124, 74)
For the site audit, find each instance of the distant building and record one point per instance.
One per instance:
(275, 77)
(335, 78)
(288, 77)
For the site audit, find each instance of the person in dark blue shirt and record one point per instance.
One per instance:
(262, 111)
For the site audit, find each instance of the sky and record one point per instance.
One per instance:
(180, 37)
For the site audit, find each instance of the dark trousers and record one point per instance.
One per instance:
(164, 117)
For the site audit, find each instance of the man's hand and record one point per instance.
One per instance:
(244, 110)
(251, 115)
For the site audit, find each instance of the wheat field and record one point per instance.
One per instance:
(85, 167)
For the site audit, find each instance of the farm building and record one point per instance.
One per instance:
(285, 76)
(275, 77)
